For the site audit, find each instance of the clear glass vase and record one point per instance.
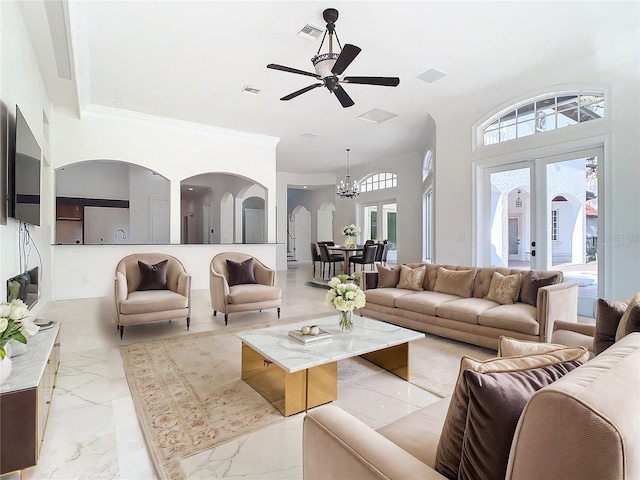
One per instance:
(346, 321)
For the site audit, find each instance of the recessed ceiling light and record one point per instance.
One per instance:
(117, 104)
(249, 90)
(431, 75)
(310, 32)
(377, 116)
(310, 135)
(304, 186)
(191, 189)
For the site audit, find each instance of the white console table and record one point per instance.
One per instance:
(25, 398)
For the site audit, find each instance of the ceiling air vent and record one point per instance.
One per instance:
(310, 32)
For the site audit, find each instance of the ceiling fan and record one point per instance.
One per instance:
(330, 65)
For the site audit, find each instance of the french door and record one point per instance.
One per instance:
(379, 223)
(543, 214)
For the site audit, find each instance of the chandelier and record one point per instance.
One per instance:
(347, 187)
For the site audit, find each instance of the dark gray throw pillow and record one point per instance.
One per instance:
(496, 401)
(240, 272)
(153, 277)
(608, 317)
(530, 285)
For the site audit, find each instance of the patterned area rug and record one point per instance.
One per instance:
(189, 396)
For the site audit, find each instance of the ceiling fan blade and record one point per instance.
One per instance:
(301, 91)
(349, 52)
(343, 97)
(383, 81)
(292, 70)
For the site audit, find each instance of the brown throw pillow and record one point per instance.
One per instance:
(153, 277)
(496, 401)
(455, 282)
(530, 285)
(608, 317)
(449, 451)
(630, 321)
(504, 289)
(412, 278)
(241, 273)
(388, 277)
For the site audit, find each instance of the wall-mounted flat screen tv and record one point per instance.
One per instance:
(24, 176)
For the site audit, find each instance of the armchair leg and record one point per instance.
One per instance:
(226, 317)
(188, 322)
(121, 331)
(278, 313)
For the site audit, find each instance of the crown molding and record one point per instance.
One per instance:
(101, 111)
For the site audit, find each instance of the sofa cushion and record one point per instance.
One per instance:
(530, 285)
(253, 293)
(423, 302)
(149, 301)
(240, 272)
(388, 277)
(455, 282)
(504, 289)
(153, 277)
(630, 321)
(496, 401)
(386, 296)
(511, 347)
(418, 432)
(464, 309)
(412, 278)
(518, 317)
(449, 451)
(608, 317)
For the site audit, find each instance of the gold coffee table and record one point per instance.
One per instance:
(295, 377)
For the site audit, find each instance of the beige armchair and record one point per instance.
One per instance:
(242, 297)
(135, 304)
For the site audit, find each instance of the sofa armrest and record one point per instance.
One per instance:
(263, 275)
(184, 285)
(582, 328)
(337, 446)
(122, 290)
(556, 302)
(369, 280)
(219, 290)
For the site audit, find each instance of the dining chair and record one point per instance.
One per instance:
(368, 257)
(329, 258)
(315, 257)
(384, 253)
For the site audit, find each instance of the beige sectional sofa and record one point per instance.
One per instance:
(470, 317)
(583, 425)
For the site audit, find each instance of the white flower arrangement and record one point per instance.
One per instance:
(350, 230)
(15, 322)
(344, 296)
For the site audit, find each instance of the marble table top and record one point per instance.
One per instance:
(368, 335)
(27, 368)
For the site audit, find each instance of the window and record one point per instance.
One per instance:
(542, 114)
(554, 225)
(379, 181)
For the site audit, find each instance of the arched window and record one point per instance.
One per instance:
(541, 114)
(379, 181)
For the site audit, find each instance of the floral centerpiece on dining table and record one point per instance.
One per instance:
(350, 233)
(344, 296)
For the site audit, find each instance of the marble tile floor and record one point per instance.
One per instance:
(93, 432)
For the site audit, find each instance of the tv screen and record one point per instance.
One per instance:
(25, 174)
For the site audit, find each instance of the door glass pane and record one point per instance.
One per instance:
(370, 227)
(509, 218)
(572, 219)
(389, 230)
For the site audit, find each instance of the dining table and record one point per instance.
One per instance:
(347, 252)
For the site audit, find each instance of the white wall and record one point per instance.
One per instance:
(620, 243)
(21, 84)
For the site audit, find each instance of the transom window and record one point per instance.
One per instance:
(542, 114)
(379, 181)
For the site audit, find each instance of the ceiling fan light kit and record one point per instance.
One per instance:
(328, 67)
(348, 188)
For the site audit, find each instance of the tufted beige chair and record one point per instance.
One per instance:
(242, 298)
(134, 307)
